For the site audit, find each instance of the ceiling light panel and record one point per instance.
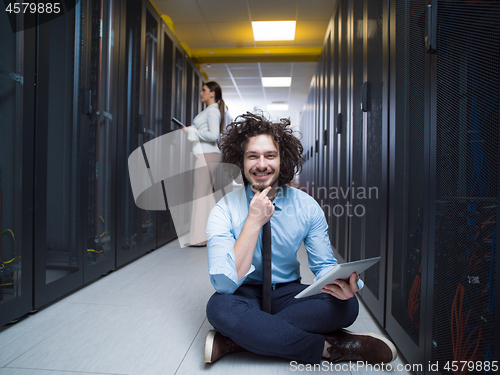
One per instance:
(276, 81)
(273, 30)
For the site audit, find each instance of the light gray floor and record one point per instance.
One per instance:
(146, 318)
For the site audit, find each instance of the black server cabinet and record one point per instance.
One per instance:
(17, 64)
(99, 86)
(343, 129)
(369, 153)
(334, 136)
(166, 230)
(408, 262)
(416, 113)
(182, 215)
(139, 56)
(463, 196)
(444, 179)
(406, 265)
(356, 159)
(59, 185)
(191, 100)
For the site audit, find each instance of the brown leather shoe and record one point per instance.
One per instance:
(200, 244)
(368, 347)
(217, 346)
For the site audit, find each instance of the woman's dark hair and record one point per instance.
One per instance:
(233, 140)
(215, 88)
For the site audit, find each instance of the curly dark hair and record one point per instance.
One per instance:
(233, 140)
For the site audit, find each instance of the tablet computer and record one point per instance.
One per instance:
(342, 271)
(178, 122)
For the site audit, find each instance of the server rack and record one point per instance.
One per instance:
(99, 78)
(59, 156)
(137, 228)
(166, 230)
(418, 119)
(369, 152)
(81, 91)
(463, 133)
(16, 149)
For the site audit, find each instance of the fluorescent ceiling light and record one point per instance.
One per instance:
(277, 107)
(276, 81)
(273, 30)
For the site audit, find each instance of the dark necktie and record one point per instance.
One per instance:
(266, 267)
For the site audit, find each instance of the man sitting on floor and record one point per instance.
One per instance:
(306, 329)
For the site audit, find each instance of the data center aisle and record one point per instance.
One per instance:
(147, 318)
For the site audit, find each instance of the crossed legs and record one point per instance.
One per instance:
(295, 329)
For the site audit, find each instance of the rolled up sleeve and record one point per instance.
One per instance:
(221, 259)
(319, 249)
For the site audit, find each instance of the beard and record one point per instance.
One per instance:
(258, 186)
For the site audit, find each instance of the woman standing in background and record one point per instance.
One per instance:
(205, 132)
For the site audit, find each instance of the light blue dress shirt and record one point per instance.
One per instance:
(297, 218)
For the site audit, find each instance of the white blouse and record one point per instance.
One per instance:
(205, 130)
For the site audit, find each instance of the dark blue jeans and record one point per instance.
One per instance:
(295, 328)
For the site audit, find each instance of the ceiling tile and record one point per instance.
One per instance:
(244, 66)
(311, 30)
(235, 44)
(248, 91)
(185, 11)
(248, 82)
(225, 31)
(275, 10)
(224, 10)
(313, 10)
(276, 69)
(246, 73)
(227, 91)
(277, 93)
(193, 32)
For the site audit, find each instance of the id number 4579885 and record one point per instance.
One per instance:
(33, 8)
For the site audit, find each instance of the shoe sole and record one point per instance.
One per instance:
(209, 345)
(394, 351)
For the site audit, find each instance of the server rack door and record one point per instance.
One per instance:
(198, 84)
(320, 126)
(371, 194)
(148, 218)
(130, 127)
(181, 213)
(189, 106)
(464, 160)
(16, 168)
(100, 139)
(343, 131)
(324, 125)
(59, 239)
(353, 212)
(406, 180)
(327, 130)
(166, 229)
(334, 135)
(314, 133)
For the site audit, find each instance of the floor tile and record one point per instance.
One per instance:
(147, 318)
(134, 341)
(16, 371)
(244, 363)
(20, 337)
